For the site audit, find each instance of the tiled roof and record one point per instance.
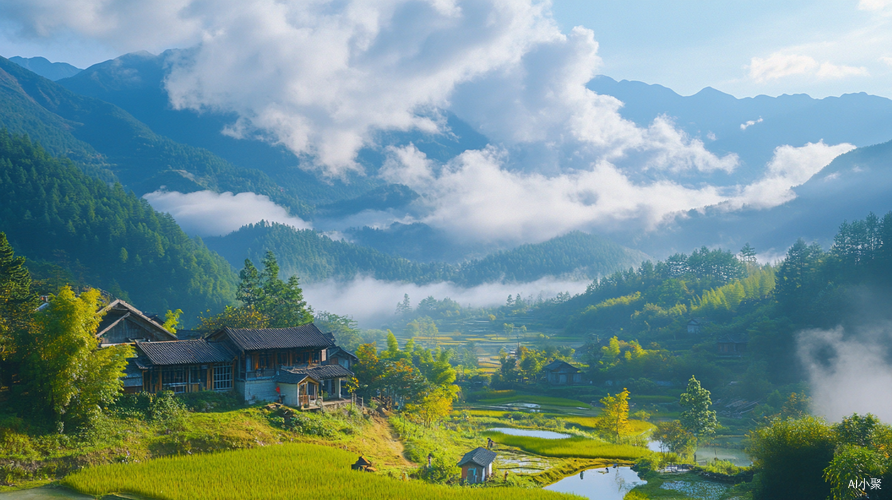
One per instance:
(276, 338)
(291, 377)
(324, 372)
(479, 456)
(184, 352)
(559, 365)
(340, 351)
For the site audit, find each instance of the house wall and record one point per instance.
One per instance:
(257, 390)
(289, 391)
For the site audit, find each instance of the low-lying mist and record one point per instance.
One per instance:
(849, 369)
(373, 302)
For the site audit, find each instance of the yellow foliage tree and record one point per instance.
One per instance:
(615, 414)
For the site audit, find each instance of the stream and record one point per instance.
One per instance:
(600, 484)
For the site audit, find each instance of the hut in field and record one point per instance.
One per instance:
(362, 464)
(476, 465)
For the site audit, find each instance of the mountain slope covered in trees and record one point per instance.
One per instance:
(315, 257)
(112, 144)
(104, 236)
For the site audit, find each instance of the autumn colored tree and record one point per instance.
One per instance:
(233, 317)
(615, 414)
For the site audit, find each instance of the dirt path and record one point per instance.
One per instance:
(377, 443)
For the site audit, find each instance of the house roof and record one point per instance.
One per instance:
(291, 377)
(341, 352)
(478, 456)
(324, 372)
(275, 338)
(183, 352)
(561, 365)
(127, 311)
(362, 461)
(734, 339)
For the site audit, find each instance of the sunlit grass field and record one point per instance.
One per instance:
(576, 446)
(504, 397)
(291, 471)
(589, 423)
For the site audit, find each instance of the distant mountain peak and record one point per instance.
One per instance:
(43, 67)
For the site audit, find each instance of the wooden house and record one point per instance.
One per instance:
(124, 324)
(561, 373)
(476, 465)
(732, 345)
(696, 324)
(184, 366)
(263, 354)
(297, 389)
(340, 356)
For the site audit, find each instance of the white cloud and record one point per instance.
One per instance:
(887, 60)
(789, 167)
(779, 65)
(475, 197)
(205, 213)
(828, 70)
(846, 372)
(750, 123)
(874, 5)
(372, 302)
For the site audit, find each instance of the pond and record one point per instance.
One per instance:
(707, 453)
(601, 484)
(530, 433)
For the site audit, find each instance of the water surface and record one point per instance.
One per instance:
(530, 433)
(600, 484)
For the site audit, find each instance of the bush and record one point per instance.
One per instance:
(161, 406)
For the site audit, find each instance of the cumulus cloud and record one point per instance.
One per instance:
(886, 60)
(780, 65)
(205, 213)
(372, 302)
(847, 372)
(475, 197)
(789, 167)
(750, 123)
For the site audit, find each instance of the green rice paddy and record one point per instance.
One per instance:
(578, 447)
(290, 471)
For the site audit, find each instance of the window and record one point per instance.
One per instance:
(222, 377)
(173, 379)
(263, 361)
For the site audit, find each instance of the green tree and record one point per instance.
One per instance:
(697, 419)
(675, 437)
(172, 320)
(65, 373)
(233, 317)
(16, 300)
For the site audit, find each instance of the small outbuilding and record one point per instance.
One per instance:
(362, 464)
(476, 465)
(561, 373)
(696, 324)
(733, 345)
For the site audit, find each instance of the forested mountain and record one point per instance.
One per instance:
(110, 143)
(51, 70)
(315, 257)
(135, 82)
(104, 236)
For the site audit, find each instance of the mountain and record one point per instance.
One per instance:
(316, 257)
(135, 82)
(102, 236)
(850, 187)
(721, 120)
(111, 144)
(51, 70)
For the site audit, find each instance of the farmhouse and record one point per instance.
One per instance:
(732, 344)
(476, 465)
(258, 364)
(124, 324)
(561, 373)
(695, 324)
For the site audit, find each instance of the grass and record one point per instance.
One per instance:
(577, 447)
(291, 471)
(635, 426)
(685, 486)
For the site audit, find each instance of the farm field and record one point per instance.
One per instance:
(289, 471)
(576, 447)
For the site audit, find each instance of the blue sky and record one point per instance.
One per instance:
(819, 48)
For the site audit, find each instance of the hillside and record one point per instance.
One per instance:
(316, 257)
(104, 236)
(51, 70)
(112, 144)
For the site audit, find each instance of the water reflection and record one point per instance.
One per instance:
(602, 484)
